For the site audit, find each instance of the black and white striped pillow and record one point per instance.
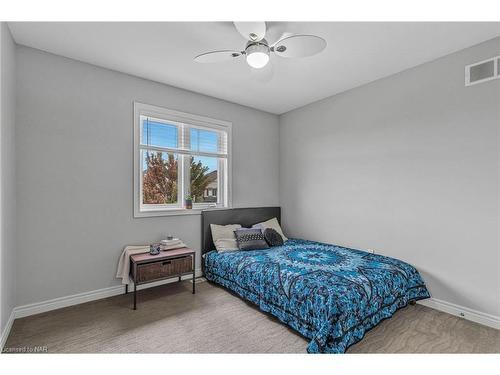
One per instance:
(250, 239)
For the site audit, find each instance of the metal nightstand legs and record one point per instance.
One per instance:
(193, 281)
(179, 276)
(135, 296)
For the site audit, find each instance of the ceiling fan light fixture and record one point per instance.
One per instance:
(257, 55)
(257, 50)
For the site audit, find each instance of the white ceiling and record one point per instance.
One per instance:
(357, 53)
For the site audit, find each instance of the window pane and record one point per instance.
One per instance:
(204, 179)
(159, 177)
(204, 140)
(157, 133)
(482, 71)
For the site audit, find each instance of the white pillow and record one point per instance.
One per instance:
(273, 224)
(223, 236)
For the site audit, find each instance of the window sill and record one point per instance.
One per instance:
(171, 212)
(174, 212)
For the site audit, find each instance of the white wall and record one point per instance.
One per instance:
(7, 176)
(408, 166)
(74, 165)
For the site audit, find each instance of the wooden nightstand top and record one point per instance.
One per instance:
(147, 257)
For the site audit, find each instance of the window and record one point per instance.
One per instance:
(482, 71)
(178, 155)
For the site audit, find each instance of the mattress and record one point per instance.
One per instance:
(329, 294)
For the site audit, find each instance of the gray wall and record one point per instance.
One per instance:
(7, 177)
(74, 166)
(408, 166)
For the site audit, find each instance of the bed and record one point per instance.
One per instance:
(329, 294)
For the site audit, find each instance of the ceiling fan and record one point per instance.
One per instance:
(257, 49)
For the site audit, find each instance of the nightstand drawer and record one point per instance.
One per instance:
(165, 268)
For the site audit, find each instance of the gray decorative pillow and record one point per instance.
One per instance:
(272, 237)
(250, 239)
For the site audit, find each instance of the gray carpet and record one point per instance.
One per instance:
(170, 319)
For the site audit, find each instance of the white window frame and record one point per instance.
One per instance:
(496, 73)
(180, 119)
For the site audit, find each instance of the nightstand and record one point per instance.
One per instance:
(146, 268)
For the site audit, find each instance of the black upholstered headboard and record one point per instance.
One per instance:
(244, 216)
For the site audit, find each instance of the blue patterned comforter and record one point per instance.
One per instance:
(330, 294)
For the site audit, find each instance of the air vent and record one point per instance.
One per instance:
(482, 71)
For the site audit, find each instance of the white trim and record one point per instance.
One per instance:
(6, 330)
(462, 312)
(180, 151)
(169, 212)
(76, 299)
(496, 73)
(141, 109)
(182, 117)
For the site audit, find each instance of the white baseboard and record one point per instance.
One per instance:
(462, 312)
(6, 330)
(76, 299)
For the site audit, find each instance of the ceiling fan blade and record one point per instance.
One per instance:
(275, 31)
(217, 56)
(299, 46)
(253, 31)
